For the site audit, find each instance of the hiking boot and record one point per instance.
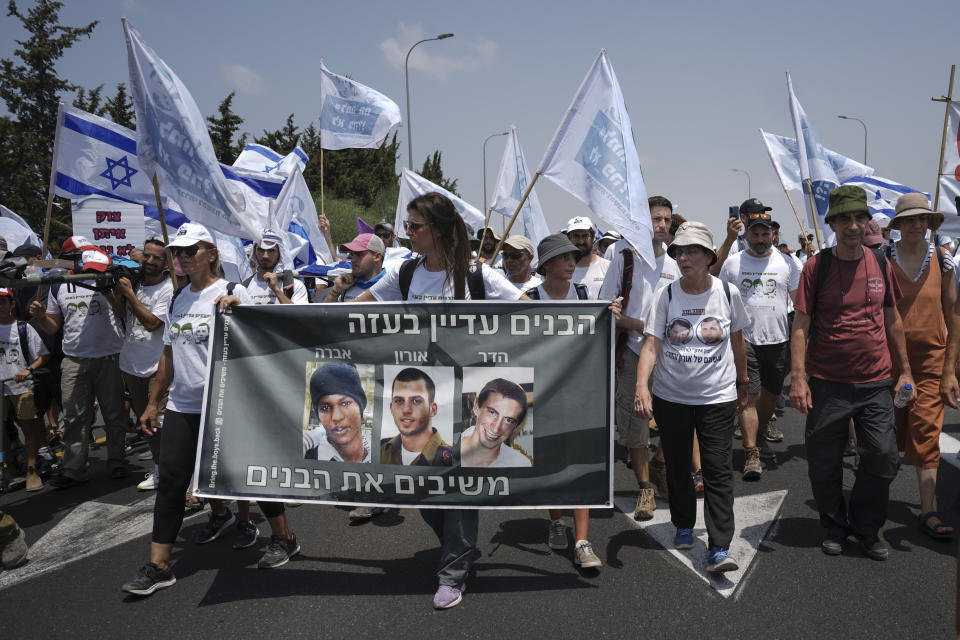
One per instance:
(557, 535)
(364, 513)
(34, 483)
(14, 552)
(149, 579)
(447, 597)
(773, 434)
(279, 551)
(719, 561)
(646, 505)
(247, 534)
(584, 555)
(215, 526)
(658, 477)
(752, 470)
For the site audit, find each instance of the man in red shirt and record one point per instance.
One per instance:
(846, 315)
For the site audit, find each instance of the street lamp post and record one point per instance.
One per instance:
(406, 76)
(749, 189)
(492, 135)
(864, 134)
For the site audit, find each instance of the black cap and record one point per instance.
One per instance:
(27, 251)
(752, 205)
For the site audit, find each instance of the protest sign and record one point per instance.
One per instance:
(115, 226)
(509, 402)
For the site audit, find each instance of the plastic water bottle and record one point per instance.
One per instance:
(903, 396)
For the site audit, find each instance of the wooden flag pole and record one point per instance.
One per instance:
(53, 179)
(163, 228)
(813, 208)
(506, 230)
(322, 212)
(943, 140)
(795, 213)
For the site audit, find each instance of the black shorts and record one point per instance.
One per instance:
(767, 366)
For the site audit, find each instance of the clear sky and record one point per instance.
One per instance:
(699, 78)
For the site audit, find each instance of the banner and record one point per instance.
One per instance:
(593, 157)
(502, 405)
(413, 185)
(175, 145)
(353, 116)
(115, 226)
(950, 178)
(512, 182)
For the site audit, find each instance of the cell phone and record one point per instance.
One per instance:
(734, 212)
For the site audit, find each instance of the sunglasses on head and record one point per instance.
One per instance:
(186, 251)
(759, 216)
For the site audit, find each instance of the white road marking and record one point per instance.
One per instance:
(753, 516)
(949, 446)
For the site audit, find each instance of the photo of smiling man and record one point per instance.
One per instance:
(338, 401)
(499, 410)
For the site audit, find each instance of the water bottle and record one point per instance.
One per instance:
(903, 396)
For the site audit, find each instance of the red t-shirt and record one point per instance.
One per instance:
(849, 341)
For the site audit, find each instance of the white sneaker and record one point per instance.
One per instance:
(146, 455)
(584, 555)
(149, 482)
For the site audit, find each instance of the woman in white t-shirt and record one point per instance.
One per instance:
(694, 335)
(183, 363)
(438, 233)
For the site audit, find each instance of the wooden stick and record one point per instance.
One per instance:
(163, 228)
(797, 215)
(322, 213)
(53, 179)
(813, 208)
(509, 226)
(943, 140)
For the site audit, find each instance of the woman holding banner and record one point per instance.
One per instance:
(700, 385)
(443, 272)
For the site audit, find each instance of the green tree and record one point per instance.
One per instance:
(222, 130)
(282, 140)
(120, 109)
(31, 89)
(434, 173)
(89, 101)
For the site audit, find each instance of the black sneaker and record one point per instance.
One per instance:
(279, 551)
(873, 547)
(215, 526)
(149, 579)
(247, 533)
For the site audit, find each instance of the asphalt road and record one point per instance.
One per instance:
(376, 580)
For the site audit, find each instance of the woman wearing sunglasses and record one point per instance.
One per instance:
(443, 272)
(182, 369)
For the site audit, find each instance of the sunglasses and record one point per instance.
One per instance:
(385, 235)
(759, 216)
(514, 255)
(414, 226)
(186, 251)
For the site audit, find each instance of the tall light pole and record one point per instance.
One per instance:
(406, 76)
(492, 135)
(749, 190)
(864, 134)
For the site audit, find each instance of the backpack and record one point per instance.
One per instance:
(825, 259)
(582, 292)
(474, 279)
(626, 284)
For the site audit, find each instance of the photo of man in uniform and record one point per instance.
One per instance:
(338, 400)
(413, 406)
(499, 409)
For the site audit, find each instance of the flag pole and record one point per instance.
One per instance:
(53, 179)
(163, 228)
(797, 215)
(509, 226)
(813, 208)
(322, 213)
(943, 140)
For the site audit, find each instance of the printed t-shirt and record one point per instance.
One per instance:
(641, 296)
(188, 334)
(849, 342)
(13, 359)
(695, 364)
(90, 330)
(141, 350)
(592, 276)
(434, 286)
(765, 285)
(260, 292)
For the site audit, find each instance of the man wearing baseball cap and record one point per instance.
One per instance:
(518, 261)
(384, 231)
(488, 244)
(591, 268)
(92, 339)
(366, 267)
(735, 242)
(845, 330)
(266, 286)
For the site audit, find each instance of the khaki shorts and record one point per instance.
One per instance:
(23, 406)
(633, 431)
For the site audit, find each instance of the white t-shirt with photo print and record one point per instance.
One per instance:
(90, 330)
(765, 285)
(13, 359)
(695, 364)
(141, 350)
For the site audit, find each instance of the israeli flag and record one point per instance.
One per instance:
(594, 158)
(512, 182)
(173, 143)
(882, 194)
(296, 215)
(353, 116)
(784, 155)
(413, 185)
(16, 231)
(257, 157)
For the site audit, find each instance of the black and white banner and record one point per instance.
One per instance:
(466, 404)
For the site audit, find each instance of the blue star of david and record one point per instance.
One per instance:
(128, 172)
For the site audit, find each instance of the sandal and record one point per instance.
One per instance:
(939, 531)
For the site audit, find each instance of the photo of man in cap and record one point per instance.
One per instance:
(338, 400)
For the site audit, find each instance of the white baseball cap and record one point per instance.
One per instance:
(579, 223)
(93, 259)
(190, 233)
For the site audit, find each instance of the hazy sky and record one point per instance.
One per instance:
(699, 78)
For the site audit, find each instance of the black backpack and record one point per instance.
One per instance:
(474, 279)
(582, 292)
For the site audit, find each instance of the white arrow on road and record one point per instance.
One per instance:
(753, 516)
(90, 528)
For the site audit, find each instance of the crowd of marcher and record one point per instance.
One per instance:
(861, 337)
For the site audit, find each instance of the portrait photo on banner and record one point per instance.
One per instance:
(418, 415)
(338, 411)
(497, 410)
